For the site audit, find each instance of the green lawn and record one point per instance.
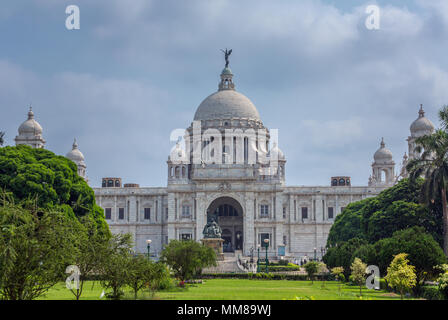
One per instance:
(238, 289)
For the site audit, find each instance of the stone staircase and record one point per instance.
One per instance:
(228, 265)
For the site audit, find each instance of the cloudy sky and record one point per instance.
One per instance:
(138, 69)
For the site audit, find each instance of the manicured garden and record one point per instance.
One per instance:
(238, 289)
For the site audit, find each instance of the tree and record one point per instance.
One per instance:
(187, 258)
(35, 248)
(395, 208)
(139, 273)
(115, 268)
(159, 278)
(423, 252)
(442, 279)
(358, 269)
(39, 175)
(400, 274)
(433, 165)
(322, 269)
(343, 254)
(311, 269)
(91, 253)
(338, 273)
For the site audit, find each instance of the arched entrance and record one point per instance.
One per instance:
(229, 215)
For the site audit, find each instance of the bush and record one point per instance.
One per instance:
(431, 293)
(283, 262)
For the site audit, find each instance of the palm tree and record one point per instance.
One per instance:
(433, 165)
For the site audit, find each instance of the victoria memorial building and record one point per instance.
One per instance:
(230, 166)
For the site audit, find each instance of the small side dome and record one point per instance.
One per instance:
(177, 154)
(276, 152)
(422, 125)
(383, 154)
(30, 126)
(75, 154)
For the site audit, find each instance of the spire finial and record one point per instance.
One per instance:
(75, 144)
(226, 74)
(30, 113)
(382, 143)
(421, 112)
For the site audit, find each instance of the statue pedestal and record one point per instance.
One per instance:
(216, 245)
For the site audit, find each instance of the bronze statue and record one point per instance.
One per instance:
(227, 53)
(212, 229)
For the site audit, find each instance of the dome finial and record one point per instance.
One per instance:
(383, 145)
(30, 113)
(226, 74)
(75, 144)
(421, 112)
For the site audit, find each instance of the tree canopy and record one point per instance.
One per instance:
(31, 175)
(395, 208)
(187, 258)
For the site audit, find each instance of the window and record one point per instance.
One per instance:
(121, 213)
(330, 213)
(304, 213)
(147, 213)
(264, 210)
(185, 211)
(284, 212)
(262, 237)
(284, 240)
(108, 213)
(185, 236)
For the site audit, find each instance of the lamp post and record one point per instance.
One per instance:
(258, 260)
(238, 241)
(266, 243)
(315, 250)
(148, 243)
(252, 255)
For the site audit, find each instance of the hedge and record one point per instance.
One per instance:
(262, 275)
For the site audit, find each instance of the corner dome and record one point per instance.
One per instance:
(276, 152)
(30, 126)
(383, 154)
(226, 104)
(422, 125)
(75, 154)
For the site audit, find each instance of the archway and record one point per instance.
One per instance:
(229, 216)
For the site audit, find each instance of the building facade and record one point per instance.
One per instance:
(228, 165)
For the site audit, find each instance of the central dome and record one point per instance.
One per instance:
(226, 104)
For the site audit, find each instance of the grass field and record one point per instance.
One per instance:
(238, 289)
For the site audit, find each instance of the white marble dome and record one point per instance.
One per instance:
(75, 154)
(30, 126)
(383, 154)
(226, 104)
(422, 125)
